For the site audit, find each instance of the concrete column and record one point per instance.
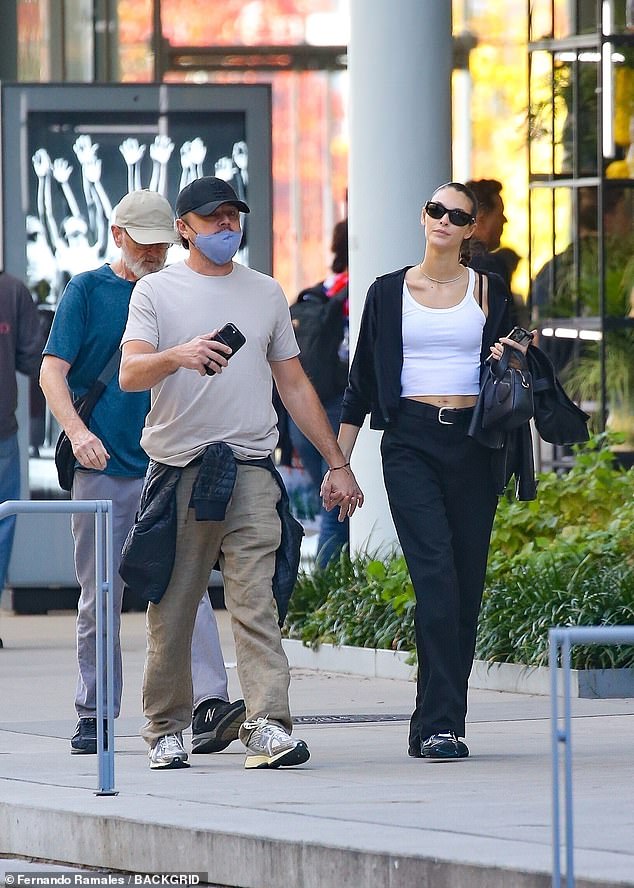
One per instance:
(9, 41)
(400, 60)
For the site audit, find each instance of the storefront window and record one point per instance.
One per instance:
(559, 19)
(33, 43)
(78, 41)
(495, 113)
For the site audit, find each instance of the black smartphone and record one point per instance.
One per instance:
(232, 337)
(519, 334)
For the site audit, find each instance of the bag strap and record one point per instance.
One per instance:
(499, 368)
(480, 289)
(110, 369)
(99, 385)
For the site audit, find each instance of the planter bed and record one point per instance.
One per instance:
(591, 683)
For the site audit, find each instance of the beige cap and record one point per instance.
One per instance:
(147, 217)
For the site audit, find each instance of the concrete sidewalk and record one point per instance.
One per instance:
(360, 813)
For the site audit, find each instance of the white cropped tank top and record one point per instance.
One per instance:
(441, 346)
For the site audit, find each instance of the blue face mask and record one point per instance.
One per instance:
(221, 247)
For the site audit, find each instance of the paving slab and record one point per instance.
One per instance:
(359, 813)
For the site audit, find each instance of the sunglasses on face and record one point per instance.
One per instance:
(436, 210)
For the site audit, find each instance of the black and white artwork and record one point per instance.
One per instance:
(80, 169)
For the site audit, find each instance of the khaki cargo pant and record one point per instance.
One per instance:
(245, 543)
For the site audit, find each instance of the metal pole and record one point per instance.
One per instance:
(109, 590)
(104, 575)
(566, 637)
(567, 740)
(554, 744)
(104, 649)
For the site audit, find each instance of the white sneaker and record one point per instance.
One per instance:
(168, 752)
(270, 746)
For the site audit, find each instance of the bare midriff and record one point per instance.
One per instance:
(455, 401)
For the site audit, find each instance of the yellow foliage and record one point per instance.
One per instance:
(623, 104)
(618, 169)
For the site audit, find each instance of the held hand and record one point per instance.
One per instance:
(340, 488)
(496, 350)
(89, 451)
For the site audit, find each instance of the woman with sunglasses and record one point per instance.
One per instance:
(424, 335)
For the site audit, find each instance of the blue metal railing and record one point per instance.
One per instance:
(562, 639)
(104, 655)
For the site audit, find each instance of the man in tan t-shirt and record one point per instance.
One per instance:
(201, 398)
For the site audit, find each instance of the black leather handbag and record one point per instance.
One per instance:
(507, 392)
(84, 405)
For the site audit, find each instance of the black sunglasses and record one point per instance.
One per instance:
(457, 217)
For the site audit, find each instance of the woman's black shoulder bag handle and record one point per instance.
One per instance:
(507, 392)
(64, 456)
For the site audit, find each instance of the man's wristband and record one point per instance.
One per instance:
(335, 468)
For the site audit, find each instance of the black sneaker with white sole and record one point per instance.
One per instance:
(444, 747)
(84, 740)
(215, 724)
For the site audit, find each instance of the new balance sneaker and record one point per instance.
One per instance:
(444, 746)
(270, 746)
(168, 752)
(215, 724)
(84, 740)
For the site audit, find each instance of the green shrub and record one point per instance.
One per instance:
(566, 559)
(594, 497)
(361, 601)
(517, 611)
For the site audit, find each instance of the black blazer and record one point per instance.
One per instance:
(375, 375)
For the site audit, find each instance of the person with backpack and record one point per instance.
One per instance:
(320, 321)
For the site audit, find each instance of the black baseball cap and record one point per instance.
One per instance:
(205, 195)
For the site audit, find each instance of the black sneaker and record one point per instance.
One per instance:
(443, 747)
(215, 724)
(84, 740)
(413, 748)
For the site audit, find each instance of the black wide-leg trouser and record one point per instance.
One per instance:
(441, 495)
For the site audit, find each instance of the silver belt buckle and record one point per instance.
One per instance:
(440, 419)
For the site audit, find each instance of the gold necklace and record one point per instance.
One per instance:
(437, 280)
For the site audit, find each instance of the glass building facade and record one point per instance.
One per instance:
(542, 101)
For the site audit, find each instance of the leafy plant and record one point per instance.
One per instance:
(363, 601)
(597, 589)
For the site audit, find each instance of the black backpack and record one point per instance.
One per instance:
(319, 324)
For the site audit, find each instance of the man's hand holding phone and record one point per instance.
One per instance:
(230, 336)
